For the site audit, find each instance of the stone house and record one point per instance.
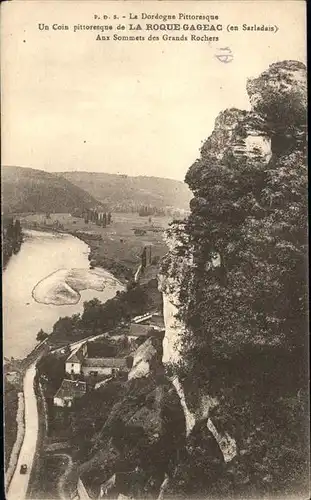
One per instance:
(74, 362)
(104, 366)
(80, 363)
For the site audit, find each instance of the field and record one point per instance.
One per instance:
(119, 248)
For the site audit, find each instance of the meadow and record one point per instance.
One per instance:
(121, 243)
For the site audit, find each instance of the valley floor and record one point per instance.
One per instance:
(117, 247)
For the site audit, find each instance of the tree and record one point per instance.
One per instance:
(53, 367)
(41, 335)
(91, 312)
(10, 230)
(105, 220)
(66, 327)
(12, 237)
(144, 258)
(18, 229)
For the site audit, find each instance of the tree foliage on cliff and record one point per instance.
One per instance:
(250, 211)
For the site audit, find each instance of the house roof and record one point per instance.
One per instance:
(105, 362)
(71, 389)
(139, 330)
(76, 356)
(140, 319)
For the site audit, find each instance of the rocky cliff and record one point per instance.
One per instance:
(220, 409)
(235, 297)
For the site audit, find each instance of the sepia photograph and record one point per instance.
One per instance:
(154, 208)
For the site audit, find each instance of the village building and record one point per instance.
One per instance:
(104, 366)
(80, 363)
(68, 392)
(84, 367)
(74, 362)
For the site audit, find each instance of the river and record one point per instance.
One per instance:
(41, 255)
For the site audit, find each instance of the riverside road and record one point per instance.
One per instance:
(19, 483)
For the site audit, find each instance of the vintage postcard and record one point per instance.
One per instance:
(154, 250)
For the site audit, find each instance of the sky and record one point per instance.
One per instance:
(70, 102)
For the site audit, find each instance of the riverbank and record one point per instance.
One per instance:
(101, 256)
(7, 256)
(117, 247)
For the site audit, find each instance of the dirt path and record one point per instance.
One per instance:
(62, 480)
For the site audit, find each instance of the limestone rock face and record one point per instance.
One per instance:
(280, 94)
(174, 329)
(173, 268)
(242, 133)
(143, 358)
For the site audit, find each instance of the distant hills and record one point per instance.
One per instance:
(126, 193)
(30, 190)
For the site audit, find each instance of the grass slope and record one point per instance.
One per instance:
(123, 192)
(30, 190)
